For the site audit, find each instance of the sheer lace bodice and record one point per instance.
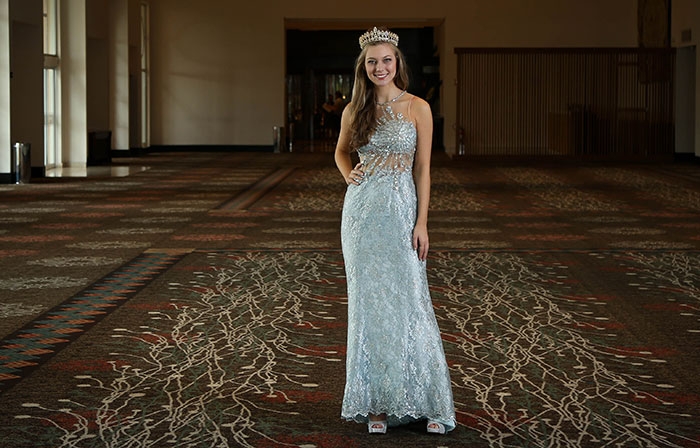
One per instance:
(392, 147)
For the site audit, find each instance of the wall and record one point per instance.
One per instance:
(98, 69)
(218, 66)
(26, 87)
(685, 15)
(217, 72)
(21, 81)
(27, 83)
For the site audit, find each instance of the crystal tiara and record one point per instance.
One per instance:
(377, 35)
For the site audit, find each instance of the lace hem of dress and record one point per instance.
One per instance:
(394, 420)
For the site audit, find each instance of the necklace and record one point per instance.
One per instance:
(392, 100)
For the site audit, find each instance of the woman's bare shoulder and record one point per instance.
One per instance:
(419, 109)
(419, 103)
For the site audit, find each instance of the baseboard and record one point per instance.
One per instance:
(123, 153)
(210, 148)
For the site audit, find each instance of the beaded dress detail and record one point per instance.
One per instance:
(395, 358)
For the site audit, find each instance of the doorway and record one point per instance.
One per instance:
(315, 102)
(320, 66)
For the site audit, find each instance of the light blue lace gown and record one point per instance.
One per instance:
(395, 358)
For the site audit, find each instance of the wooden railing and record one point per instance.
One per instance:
(582, 102)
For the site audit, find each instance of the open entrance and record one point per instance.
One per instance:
(319, 76)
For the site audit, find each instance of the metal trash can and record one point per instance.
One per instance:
(22, 163)
(278, 139)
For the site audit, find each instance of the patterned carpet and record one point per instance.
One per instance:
(201, 303)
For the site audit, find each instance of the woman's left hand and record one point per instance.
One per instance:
(420, 241)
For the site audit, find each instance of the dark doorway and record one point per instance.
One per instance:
(320, 65)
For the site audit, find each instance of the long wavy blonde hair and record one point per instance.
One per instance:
(363, 108)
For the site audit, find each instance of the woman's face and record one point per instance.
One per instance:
(380, 64)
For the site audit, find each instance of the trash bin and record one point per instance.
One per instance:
(22, 163)
(278, 139)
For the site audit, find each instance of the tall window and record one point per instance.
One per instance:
(51, 91)
(145, 77)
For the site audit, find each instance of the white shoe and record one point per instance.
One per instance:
(435, 427)
(378, 427)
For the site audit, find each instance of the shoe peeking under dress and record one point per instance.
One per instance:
(377, 427)
(435, 427)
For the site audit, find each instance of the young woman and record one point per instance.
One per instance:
(396, 367)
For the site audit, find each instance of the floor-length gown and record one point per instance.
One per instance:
(395, 358)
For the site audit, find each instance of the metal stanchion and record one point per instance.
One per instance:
(278, 139)
(22, 163)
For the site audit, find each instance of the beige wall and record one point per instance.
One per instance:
(685, 15)
(218, 66)
(97, 29)
(213, 81)
(27, 83)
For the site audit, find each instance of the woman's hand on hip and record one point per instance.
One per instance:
(356, 175)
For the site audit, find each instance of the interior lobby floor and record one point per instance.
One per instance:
(202, 302)
(96, 171)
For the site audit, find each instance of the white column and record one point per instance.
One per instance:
(5, 137)
(73, 82)
(119, 73)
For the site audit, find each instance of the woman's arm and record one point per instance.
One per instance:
(421, 174)
(351, 174)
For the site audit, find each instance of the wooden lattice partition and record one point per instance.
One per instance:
(583, 102)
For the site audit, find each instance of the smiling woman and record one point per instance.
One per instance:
(396, 368)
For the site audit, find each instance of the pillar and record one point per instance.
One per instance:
(73, 82)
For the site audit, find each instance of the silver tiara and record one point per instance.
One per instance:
(377, 35)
